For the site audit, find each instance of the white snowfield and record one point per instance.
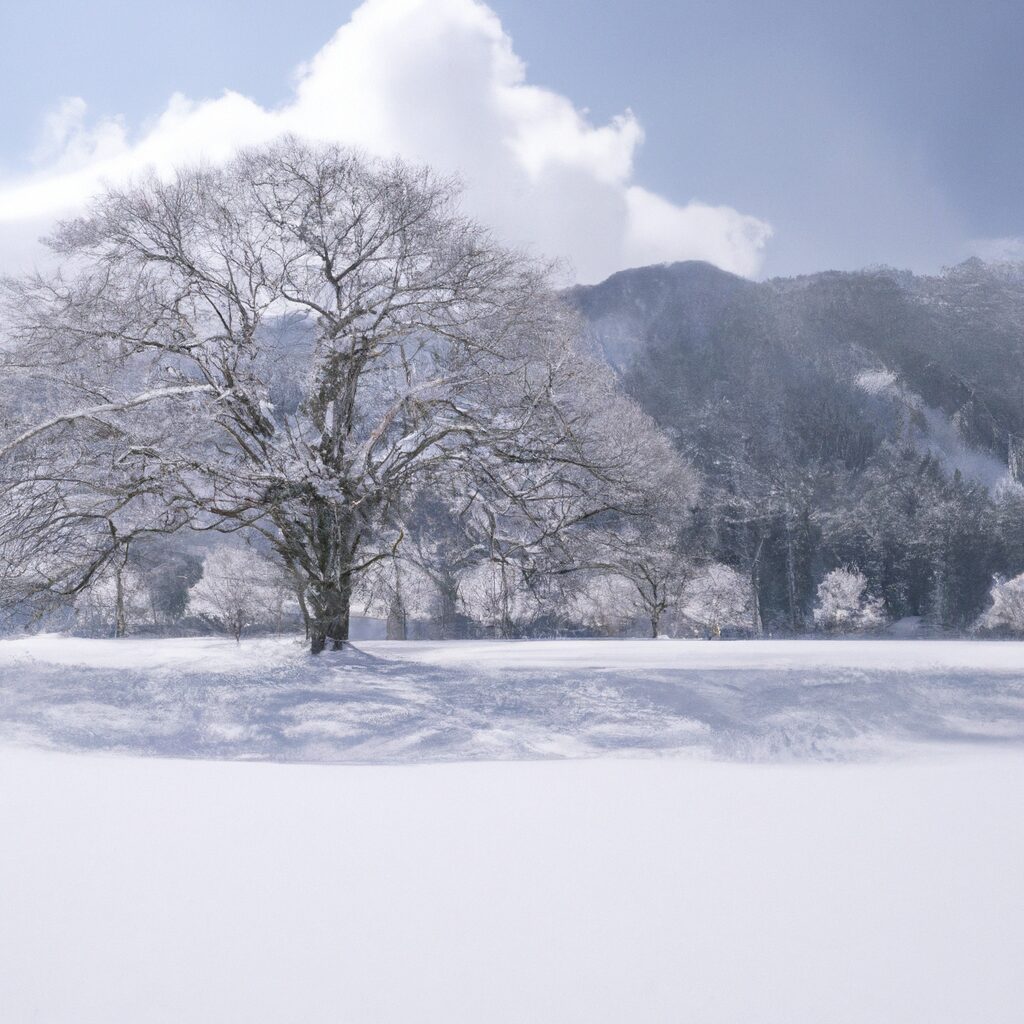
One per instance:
(152, 891)
(680, 883)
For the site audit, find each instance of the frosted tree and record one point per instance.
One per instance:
(440, 545)
(168, 571)
(238, 589)
(114, 603)
(843, 603)
(656, 569)
(74, 503)
(717, 597)
(648, 548)
(1007, 610)
(289, 345)
(396, 590)
(603, 603)
(498, 596)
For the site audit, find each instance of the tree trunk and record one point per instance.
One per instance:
(794, 623)
(505, 627)
(755, 590)
(120, 616)
(449, 591)
(120, 613)
(655, 624)
(397, 623)
(330, 609)
(304, 611)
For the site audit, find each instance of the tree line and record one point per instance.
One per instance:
(304, 385)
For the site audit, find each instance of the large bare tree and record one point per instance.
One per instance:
(290, 344)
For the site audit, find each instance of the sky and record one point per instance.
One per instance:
(769, 138)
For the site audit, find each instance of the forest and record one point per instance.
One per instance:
(868, 421)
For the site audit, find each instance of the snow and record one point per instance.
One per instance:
(144, 891)
(92, 411)
(599, 848)
(878, 382)
(935, 433)
(388, 702)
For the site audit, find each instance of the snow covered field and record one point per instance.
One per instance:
(150, 891)
(402, 702)
(866, 870)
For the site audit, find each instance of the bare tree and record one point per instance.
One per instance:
(717, 596)
(648, 549)
(289, 344)
(656, 568)
(114, 603)
(439, 546)
(603, 603)
(238, 589)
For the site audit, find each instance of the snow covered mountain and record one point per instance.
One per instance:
(872, 418)
(953, 343)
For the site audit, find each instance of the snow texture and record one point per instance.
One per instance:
(147, 891)
(398, 702)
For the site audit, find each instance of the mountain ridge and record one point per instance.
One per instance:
(872, 418)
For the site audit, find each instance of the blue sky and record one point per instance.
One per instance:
(861, 133)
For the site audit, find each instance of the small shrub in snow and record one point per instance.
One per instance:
(844, 605)
(1007, 611)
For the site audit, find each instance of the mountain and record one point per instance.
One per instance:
(872, 418)
(686, 300)
(877, 343)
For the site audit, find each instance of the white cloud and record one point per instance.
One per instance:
(657, 228)
(66, 142)
(998, 250)
(431, 80)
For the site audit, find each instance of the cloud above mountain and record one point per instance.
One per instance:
(430, 80)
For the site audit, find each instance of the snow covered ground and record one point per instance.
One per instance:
(402, 702)
(866, 870)
(153, 891)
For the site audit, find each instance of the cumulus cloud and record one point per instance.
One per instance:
(430, 80)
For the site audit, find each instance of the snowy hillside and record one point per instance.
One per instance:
(473, 700)
(869, 419)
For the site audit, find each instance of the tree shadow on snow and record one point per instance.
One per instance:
(363, 707)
